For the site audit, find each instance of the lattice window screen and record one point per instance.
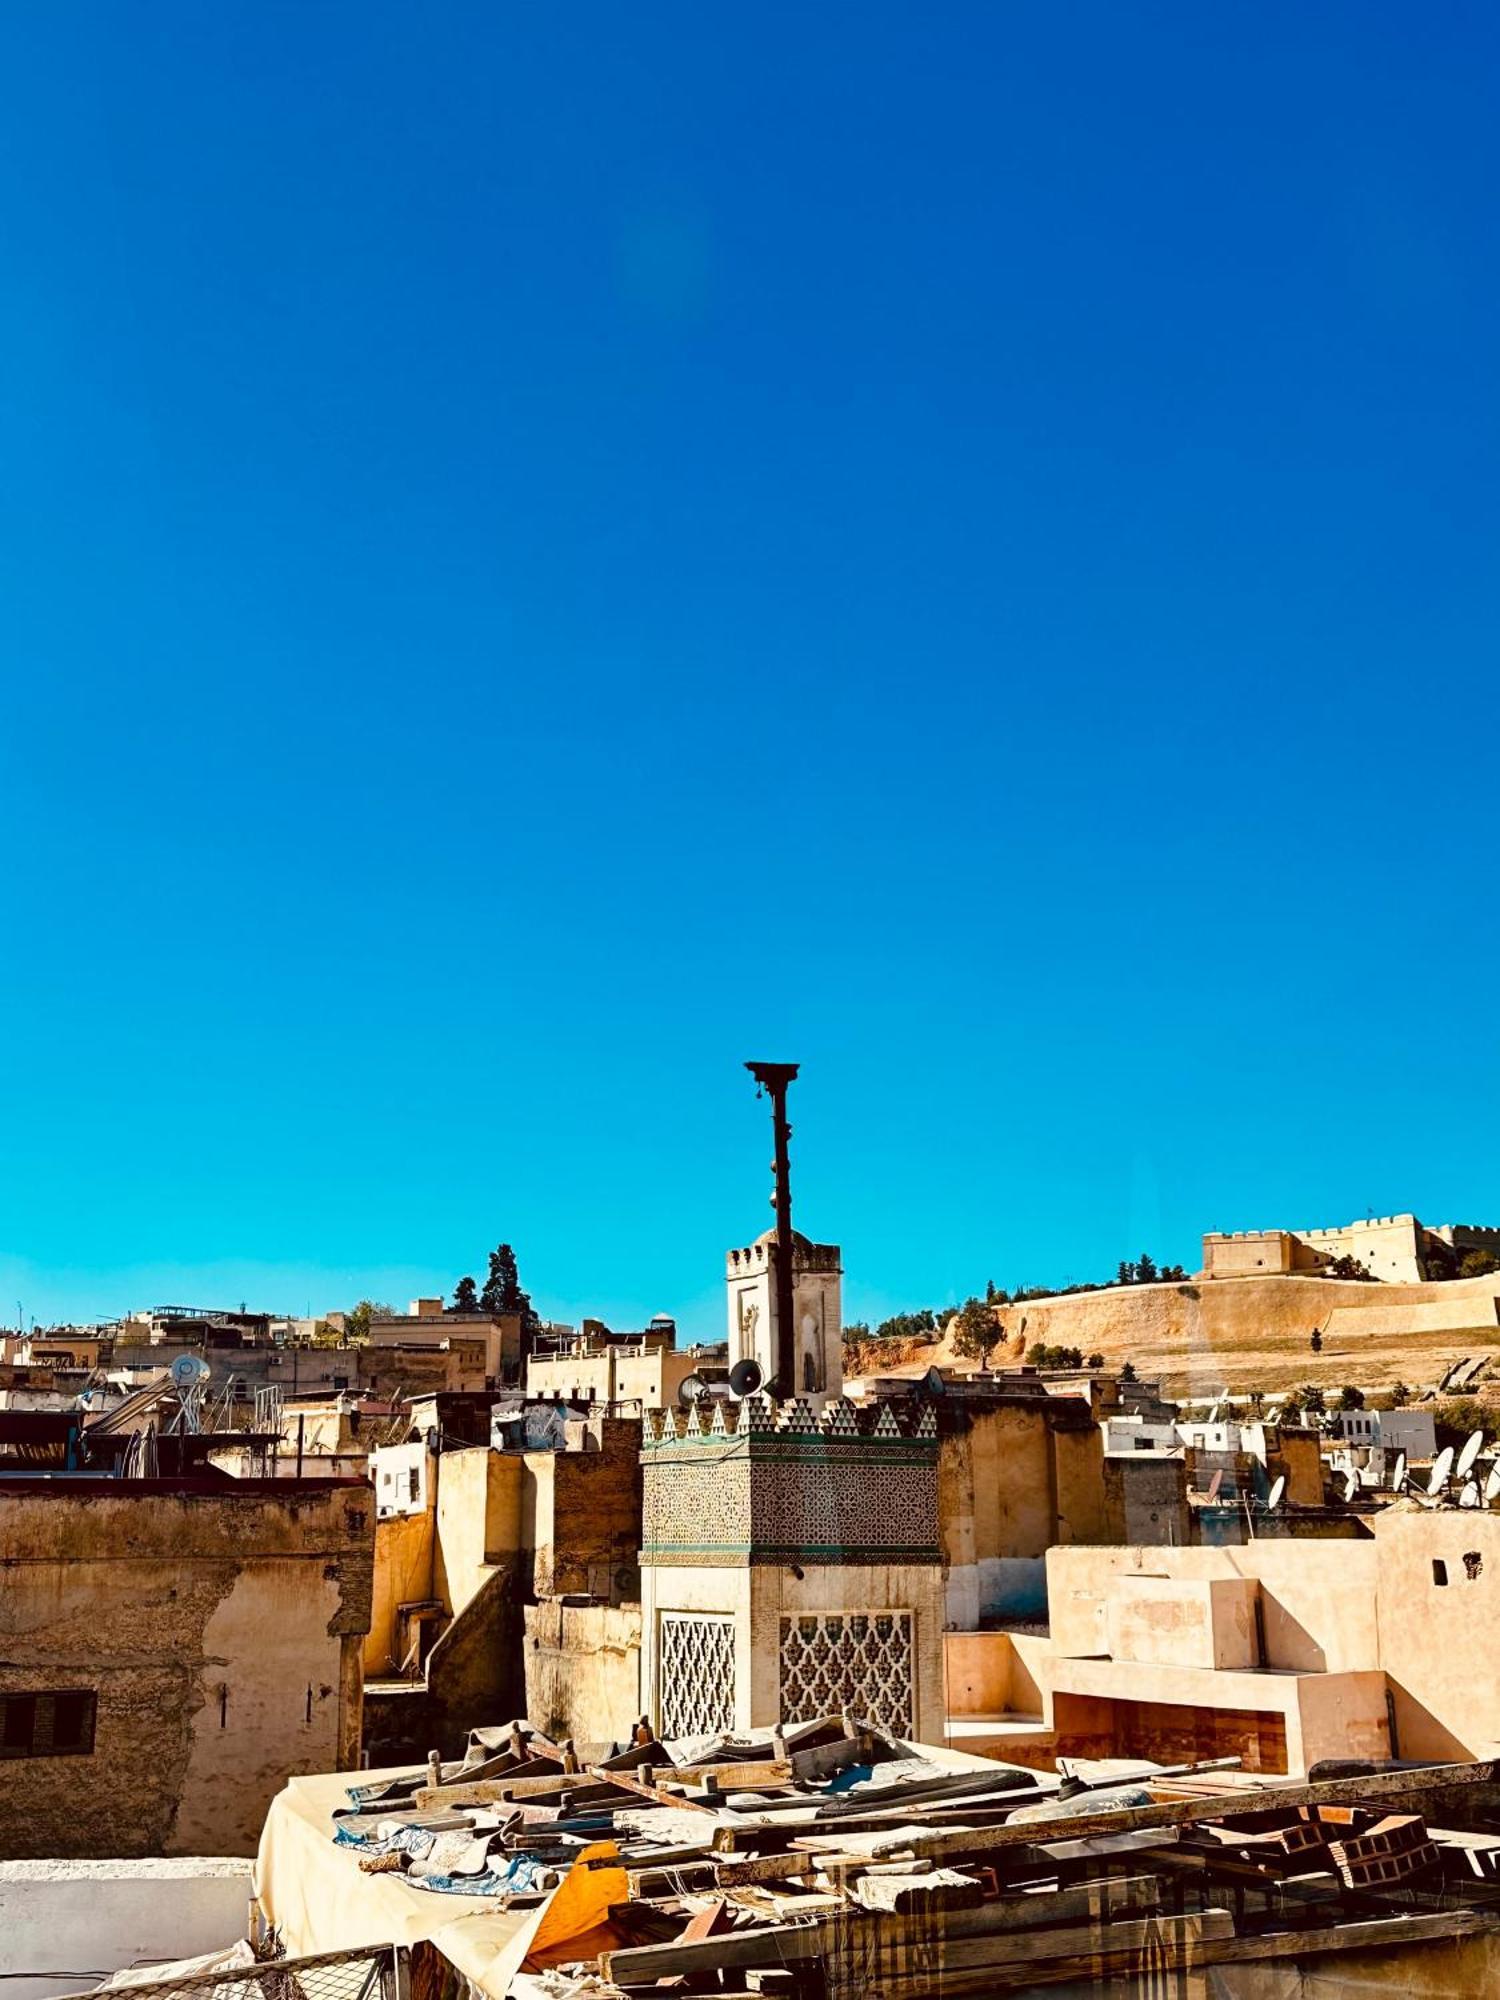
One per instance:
(696, 1674)
(856, 1660)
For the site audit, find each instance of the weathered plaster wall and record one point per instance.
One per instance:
(583, 1669)
(1433, 1633)
(479, 1519)
(221, 1633)
(582, 1512)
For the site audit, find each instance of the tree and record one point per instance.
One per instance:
(908, 1326)
(1345, 1267)
(1096, 1362)
(1127, 1371)
(357, 1320)
(1315, 1340)
(1478, 1264)
(1125, 1273)
(1312, 1400)
(1256, 1398)
(976, 1332)
(1145, 1270)
(856, 1329)
(989, 1291)
(503, 1294)
(1400, 1395)
(1351, 1398)
(465, 1297)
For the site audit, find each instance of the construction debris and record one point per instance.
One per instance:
(828, 1860)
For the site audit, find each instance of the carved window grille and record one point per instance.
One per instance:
(696, 1674)
(855, 1660)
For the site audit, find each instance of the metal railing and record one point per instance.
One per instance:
(375, 1972)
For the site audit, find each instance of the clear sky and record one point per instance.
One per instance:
(546, 551)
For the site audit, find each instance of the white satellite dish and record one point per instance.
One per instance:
(1276, 1494)
(1468, 1454)
(1442, 1465)
(1398, 1474)
(1213, 1413)
(1470, 1495)
(1351, 1485)
(1492, 1483)
(188, 1370)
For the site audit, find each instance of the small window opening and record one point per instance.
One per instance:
(1439, 1571)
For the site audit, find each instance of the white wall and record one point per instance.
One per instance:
(69, 1924)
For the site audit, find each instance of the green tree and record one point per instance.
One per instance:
(856, 1329)
(1096, 1362)
(1478, 1264)
(503, 1294)
(1145, 1270)
(907, 1326)
(357, 1320)
(977, 1332)
(1351, 1398)
(1127, 1371)
(1400, 1395)
(1312, 1400)
(465, 1297)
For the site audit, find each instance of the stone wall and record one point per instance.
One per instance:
(219, 1631)
(583, 1670)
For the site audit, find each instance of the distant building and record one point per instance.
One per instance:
(599, 1365)
(1409, 1429)
(1396, 1249)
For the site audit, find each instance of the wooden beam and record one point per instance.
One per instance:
(868, 1940)
(1385, 1787)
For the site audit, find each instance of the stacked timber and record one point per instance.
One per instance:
(829, 1861)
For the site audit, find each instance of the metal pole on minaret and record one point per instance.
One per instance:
(774, 1078)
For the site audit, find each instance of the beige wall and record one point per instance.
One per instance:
(479, 1519)
(221, 1633)
(583, 1669)
(1438, 1641)
(404, 1545)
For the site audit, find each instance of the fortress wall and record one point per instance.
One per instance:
(1255, 1331)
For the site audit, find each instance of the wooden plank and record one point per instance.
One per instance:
(1170, 1951)
(1384, 1787)
(499, 1791)
(658, 1794)
(868, 1937)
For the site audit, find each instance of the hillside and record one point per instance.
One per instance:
(1252, 1333)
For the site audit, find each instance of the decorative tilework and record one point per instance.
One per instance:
(860, 1661)
(696, 1673)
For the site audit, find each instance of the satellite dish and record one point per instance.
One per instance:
(1470, 1495)
(1468, 1454)
(1351, 1485)
(188, 1370)
(1492, 1483)
(1213, 1414)
(1442, 1465)
(691, 1390)
(745, 1377)
(1277, 1493)
(1398, 1472)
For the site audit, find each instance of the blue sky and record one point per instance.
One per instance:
(546, 552)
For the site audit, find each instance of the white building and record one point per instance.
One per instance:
(1408, 1430)
(817, 1300)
